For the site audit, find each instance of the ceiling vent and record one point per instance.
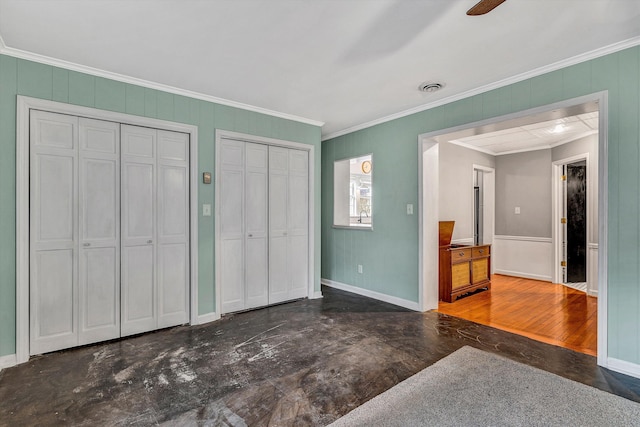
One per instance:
(430, 87)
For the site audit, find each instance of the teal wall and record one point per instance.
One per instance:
(20, 77)
(389, 253)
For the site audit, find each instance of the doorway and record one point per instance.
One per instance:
(574, 235)
(428, 149)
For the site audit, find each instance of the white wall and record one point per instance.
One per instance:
(456, 187)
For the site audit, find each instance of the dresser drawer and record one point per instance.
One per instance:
(481, 251)
(460, 254)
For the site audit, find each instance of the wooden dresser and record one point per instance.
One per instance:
(462, 268)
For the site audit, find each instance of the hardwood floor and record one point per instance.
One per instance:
(543, 311)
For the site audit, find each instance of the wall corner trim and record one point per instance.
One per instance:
(316, 295)
(623, 367)
(8, 361)
(411, 305)
(208, 318)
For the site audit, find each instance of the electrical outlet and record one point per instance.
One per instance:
(206, 210)
(360, 268)
(517, 210)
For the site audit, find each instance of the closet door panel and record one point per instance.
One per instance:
(232, 218)
(256, 202)
(99, 222)
(173, 284)
(53, 303)
(173, 203)
(278, 229)
(298, 266)
(138, 231)
(53, 233)
(138, 297)
(232, 275)
(139, 202)
(173, 228)
(99, 295)
(298, 223)
(54, 188)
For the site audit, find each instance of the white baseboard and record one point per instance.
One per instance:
(411, 305)
(207, 318)
(523, 274)
(627, 368)
(8, 361)
(316, 295)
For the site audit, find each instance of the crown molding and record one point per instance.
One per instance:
(30, 56)
(597, 53)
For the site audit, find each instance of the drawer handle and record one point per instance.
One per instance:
(481, 251)
(460, 253)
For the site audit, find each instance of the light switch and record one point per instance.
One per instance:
(409, 209)
(206, 210)
(517, 210)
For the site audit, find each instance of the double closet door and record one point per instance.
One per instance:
(264, 224)
(109, 233)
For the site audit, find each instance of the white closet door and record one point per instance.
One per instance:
(278, 224)
(138, 240)
(231, 215)
(53, 232)
(173, 228)
(298, 225)
(99, 231)
(256, 201)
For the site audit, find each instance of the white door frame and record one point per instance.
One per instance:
(271, 142)
(557, 195)
(24, 104)
(428, 189)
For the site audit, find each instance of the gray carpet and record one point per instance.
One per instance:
(474, 388)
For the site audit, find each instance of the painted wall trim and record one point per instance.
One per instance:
(207, 318)
(523, 238)
(623, 367)
(587, 56)
(30, 56)
(24, 105)
(411, 305)
(8, 361)
(544, 278)
(317, 295)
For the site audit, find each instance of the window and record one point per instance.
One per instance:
(353, 192)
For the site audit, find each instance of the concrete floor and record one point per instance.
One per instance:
(301, 363)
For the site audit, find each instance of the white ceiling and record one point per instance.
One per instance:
(342, 62)
(536, 136)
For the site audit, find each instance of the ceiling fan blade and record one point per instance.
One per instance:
(484, 6)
